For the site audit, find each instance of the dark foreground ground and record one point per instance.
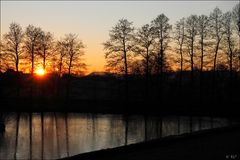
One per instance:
(163, 107)
(217, 144)
(108, 94)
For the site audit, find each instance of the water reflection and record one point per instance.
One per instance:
(57, 135)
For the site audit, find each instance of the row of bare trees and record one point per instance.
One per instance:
(198, 42)
(19, 47)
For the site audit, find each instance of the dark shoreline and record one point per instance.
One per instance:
(106, 94)
(220, 108)
(218, 144)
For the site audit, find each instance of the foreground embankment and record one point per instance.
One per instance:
(215, 144)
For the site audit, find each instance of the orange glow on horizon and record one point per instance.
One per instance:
(40, 72)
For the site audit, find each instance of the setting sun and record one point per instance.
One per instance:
(40, 72)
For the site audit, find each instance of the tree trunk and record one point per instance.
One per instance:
(161, 62)
(202, 54)
(70, 63)
(18, 76)
(214, 83)
(231, 60)
(192, 68)
(147, 75)
(44, 59)
(161, 70)
(60, 68)
(192, 62)
(60, 63)
(181, 67)
(17, 61)
(69, 78)
(17, 57)
(201, 68)
(32, 59)
(231, 69)
(69, 70)
(126, 74)
(215, 57)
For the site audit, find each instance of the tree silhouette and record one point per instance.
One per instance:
(33, 35)
(191, 33)
(144, 47)
(61, 47)
(162, 30)
(74, 51)
(228, 36)
(209, 42)
(118, 47)
(46, 42)
(236, 19)
(1, 55)
(13, 41)
(179, 36)
(203, 30)
(216, 24)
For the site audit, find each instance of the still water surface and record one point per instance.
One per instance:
(57, 135)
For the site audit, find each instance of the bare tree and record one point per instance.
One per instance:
(203, 23)
(13, 41)
(236, 19)
(74, 52)
(46, 43)
(33, 35)
(1, 56)
(228, 36)
(119, 47)
(6, 59)
(143, 46)
(179, 36)
(190, 34)
(216, 18)
(162, 30)
(61, 47)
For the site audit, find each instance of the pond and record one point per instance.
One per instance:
(56, 135)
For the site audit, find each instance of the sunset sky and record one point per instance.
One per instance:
(92, 20)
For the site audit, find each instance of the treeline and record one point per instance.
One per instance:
(33, 48)
(198, 42)
(198, 56)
